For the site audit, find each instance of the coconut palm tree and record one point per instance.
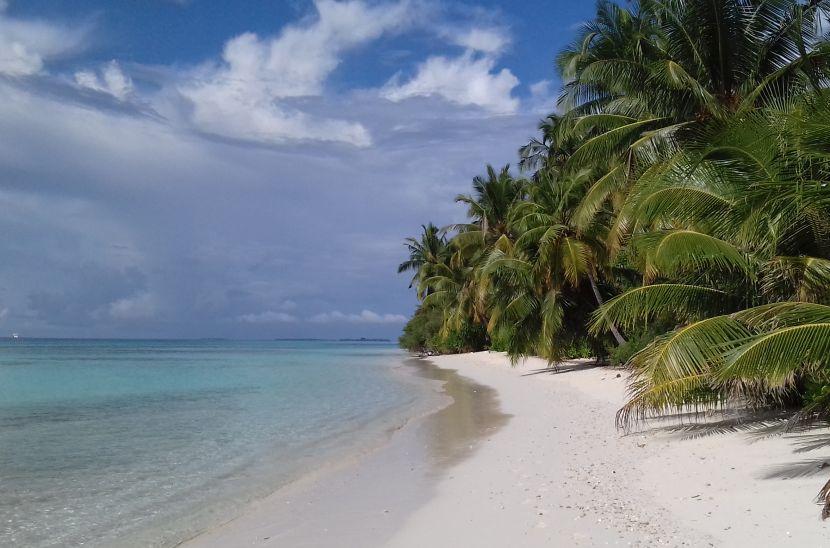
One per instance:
(691, 61)
(488, 207)
(690, 153)
(541, 279)
(552, 150)
(425, 252)
(453, 287)
(643, 80)
(732, 234)
(734, 245)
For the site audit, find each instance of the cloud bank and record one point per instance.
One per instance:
(365, 316)
(240, 96)
(240, 196)
(25, 45)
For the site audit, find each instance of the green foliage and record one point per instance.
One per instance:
(676, 214)
(425, 332)
(499, 342)
(421, 332)
(620, 355)
(468, 337)
(581, 347)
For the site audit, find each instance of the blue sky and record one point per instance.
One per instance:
(193, 168)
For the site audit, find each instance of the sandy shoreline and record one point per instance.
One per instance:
(362, 500)
(558, 473)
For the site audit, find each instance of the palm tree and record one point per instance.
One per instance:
(641, 81)
(453, 288)
(488, 207)
(734, 244)
(692, 61)
(425, 252)
(539, 280)
(488, 210)
(552, 150)
(691, 156)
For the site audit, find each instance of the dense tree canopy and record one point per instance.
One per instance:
(674, 215)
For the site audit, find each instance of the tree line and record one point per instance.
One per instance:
(672, 216)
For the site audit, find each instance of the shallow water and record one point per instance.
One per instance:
(144, 443)
(366, 501)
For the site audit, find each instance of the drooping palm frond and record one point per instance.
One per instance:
(649, 301)
(683, 203)
(768, 317)
(675, 369)
(610, 143)
(776, 357)
(671, 252)
(574, 258)
(597, 195)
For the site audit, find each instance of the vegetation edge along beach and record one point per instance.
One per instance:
(673, 217)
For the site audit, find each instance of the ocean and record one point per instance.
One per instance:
(146, 443)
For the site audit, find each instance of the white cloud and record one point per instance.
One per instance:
(365, 316)
(249, 115)
(88, 185)
(140, 307)
(25, 45)
(269, 316)
(91, 196)
(109, 79)
(490, 40)
(542, 97)
(468, 79)
(239, 97)
(540, 89)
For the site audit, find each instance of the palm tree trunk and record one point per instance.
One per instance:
(614, 331)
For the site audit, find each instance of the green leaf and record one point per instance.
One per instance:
(642, 303)
(774, 358)
(680, 250)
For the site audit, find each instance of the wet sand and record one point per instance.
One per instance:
(365, 499)
(529, 457)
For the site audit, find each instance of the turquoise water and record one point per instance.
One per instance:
(144, 443)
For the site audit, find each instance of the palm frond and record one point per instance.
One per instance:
(640, 304)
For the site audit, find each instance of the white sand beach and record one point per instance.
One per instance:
(559, 473)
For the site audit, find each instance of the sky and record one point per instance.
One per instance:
(197, 168)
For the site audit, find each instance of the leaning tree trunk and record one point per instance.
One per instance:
(617, 335)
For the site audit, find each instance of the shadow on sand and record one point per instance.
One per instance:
(569, 366)
(755, 426)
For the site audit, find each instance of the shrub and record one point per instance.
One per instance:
(421, 331)
(619, 355)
